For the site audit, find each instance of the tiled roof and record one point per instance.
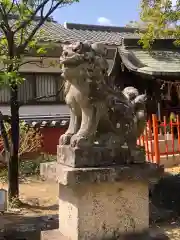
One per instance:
(164, 58)
(40, 123)
(94, 33)
(71, 32)
(157, 63)
(43, 121)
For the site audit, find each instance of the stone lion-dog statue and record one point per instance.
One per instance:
(99, 113)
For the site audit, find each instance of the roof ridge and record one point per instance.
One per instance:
(93, 27)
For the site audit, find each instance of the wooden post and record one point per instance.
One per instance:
(156, 139)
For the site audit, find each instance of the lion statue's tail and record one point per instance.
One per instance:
(139, 106)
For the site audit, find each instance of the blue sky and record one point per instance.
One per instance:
(104, 12)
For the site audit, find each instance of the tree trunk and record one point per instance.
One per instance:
(13, 168)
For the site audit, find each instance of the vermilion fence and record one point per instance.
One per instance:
(161, 140)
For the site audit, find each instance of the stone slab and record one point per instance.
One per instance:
(48, 171)
(133, 172)
(95, 156)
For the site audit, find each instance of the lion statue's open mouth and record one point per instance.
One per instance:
(72, 55)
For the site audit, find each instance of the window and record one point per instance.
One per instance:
(46, 85)
(26, 89)
(34, 86)
(5, 94)
(61, 94)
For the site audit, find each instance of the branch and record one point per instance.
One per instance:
(5, 17)
(36, 28)
(53, 95)
(4, 135)
(25, 23)
(34, 62)
(31, 142)
(46, 96)
(11, 7)
(31, 62)
(3, 27)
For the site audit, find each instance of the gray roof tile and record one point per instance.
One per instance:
(94, 33)
(158, 62)
(71, 32)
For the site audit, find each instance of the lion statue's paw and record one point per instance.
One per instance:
(65, 139)
(79, 141)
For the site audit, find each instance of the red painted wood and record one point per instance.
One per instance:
(51, 139)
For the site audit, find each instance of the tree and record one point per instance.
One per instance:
(19, 36)
(162, 18)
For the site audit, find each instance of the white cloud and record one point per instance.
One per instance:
(104, 21)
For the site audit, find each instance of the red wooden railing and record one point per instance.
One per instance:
(161, 139)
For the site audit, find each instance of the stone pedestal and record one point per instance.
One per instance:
(103, 202)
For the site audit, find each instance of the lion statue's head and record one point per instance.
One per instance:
(84, 60)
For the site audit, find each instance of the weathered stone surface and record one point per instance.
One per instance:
(104, 203)
(145, 235)
(99, 112)
(103, 211)
(75, 176)
(95, 156)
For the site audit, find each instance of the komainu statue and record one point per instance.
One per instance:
(99, 114)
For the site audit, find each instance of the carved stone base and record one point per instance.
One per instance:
(96, 156)
(103, 211)
(103, 203)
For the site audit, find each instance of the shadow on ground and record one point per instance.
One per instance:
(26, 227)
(166, 194)
(38, 207)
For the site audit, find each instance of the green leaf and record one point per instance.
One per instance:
(23, 34)
(162, 21)
(41, 51)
